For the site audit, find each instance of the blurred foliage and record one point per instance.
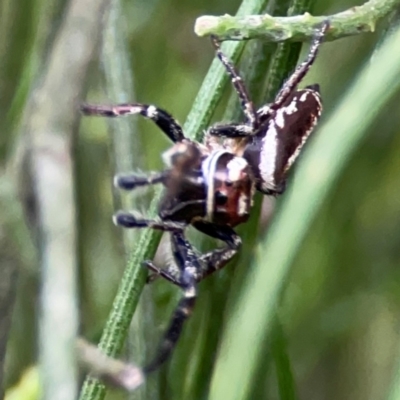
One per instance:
(338, 312)
(27, 388)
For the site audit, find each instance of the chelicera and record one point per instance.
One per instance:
(211, 185)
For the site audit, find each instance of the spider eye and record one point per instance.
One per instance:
(220, 198)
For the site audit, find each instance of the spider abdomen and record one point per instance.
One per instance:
(230, 188)
(277, 144)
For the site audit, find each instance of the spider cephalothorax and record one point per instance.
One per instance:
(210, 185)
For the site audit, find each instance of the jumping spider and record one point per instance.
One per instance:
(210, 185)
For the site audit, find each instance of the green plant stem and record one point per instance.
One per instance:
(33, 52)
(120, 87)
(323, 161)
(127, 154)
(295, 28)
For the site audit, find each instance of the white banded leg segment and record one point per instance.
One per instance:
(160, 117)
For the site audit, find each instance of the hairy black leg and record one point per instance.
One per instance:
(132, 181)
(217, 259)
(128, 220)
(185, 306)
(238, 84)
(301, 70)
(231, 130)
(162, 118)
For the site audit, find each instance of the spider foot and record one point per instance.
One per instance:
(132, 181)
(129, 220)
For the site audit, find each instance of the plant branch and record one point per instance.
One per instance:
(115, 372)
(353, 21)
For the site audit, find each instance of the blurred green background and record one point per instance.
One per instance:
(339, 310)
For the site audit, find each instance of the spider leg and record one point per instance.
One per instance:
(189, 270)
(170, 274)
(231, 130)
(132, 181)
(129, 220)
(217, 259)
(160, 117)
(159, 272)
(300, 71)
(238, 84)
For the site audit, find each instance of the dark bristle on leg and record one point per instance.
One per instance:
(160, 117)
(238, 84)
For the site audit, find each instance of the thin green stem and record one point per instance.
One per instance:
(296, 28)
(127, 152)
(120, 87)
